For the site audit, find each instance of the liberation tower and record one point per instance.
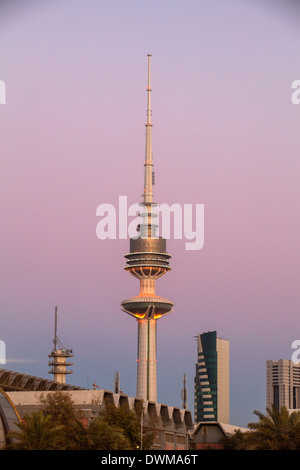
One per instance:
(147, 261)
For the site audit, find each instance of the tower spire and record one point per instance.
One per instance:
(148, 193)
(55, 329)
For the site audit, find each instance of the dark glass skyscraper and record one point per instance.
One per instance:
(212, 379)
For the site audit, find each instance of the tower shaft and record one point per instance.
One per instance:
(146, 387)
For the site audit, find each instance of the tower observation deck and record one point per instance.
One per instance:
(147, 261)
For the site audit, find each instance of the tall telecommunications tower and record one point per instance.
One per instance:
(58, 358)
(147, 261)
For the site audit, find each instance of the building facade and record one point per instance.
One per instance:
(174, 426)
(209, 435)
(212, 379)
(283, 384)
(9, 419)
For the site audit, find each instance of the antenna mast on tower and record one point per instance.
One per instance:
(58, 357)
(184, 393)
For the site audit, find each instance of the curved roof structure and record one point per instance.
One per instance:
(9, 417)
(17, 381)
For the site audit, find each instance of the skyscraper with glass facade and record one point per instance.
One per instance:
(212, 379)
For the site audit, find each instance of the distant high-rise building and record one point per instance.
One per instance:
(283, 384)
(212, 379)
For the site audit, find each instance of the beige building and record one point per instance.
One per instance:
(283, 384)
(174, 425)
(210, 435)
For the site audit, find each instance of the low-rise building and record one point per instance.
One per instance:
(209, 435)
(173, 425)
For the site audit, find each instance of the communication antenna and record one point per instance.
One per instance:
(184, 393)
(58, 357)
(116, 383)
(55, 329)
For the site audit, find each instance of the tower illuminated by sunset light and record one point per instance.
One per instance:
(147, 261)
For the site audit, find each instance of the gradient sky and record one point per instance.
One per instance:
(225, 135)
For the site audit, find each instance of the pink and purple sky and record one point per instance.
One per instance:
(225, 134)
